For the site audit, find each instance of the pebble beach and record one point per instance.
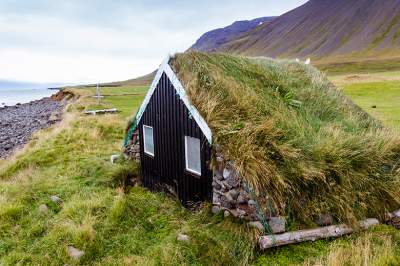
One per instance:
(19, 122)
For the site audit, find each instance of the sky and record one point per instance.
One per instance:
(85, 41)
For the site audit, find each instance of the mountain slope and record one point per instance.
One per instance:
(323, 28)
(216, 38)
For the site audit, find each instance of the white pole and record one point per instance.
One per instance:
(98, 93)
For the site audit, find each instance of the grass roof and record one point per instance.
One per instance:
(303, 146)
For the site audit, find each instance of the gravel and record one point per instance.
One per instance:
(19, 122)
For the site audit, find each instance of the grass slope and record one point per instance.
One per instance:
(118, 226)
(304, 146)
(112, 226)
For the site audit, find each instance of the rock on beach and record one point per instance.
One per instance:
(19, 122)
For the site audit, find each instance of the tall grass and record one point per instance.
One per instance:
(296, 139)
(112, 224)
(369, 249)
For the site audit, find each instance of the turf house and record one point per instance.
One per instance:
(263, 139)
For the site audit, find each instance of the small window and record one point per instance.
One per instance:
(148, 140)
(192, 154)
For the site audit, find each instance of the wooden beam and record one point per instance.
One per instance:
(94, 112)
(332, 231)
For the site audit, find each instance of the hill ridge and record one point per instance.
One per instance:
(322, 28)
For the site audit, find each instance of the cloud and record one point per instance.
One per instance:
(97, 41)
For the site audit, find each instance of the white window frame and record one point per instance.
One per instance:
(144, 141)
(186, 157)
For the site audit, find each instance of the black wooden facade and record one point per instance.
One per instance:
(171, 122)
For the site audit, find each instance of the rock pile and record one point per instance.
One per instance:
(19, 122)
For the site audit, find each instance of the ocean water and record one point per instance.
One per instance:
(20, 95)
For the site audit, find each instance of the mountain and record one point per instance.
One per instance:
(323, 28)
(216, 38)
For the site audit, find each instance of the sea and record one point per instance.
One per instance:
(12, 93)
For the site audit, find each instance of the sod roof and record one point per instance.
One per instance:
(296, 139)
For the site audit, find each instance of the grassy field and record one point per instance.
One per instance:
(114, 225)
(361, 66)
(126, 99)
(376, 93)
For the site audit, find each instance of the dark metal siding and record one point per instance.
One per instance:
(170, 120)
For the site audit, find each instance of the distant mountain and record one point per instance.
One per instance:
(322, 28)
(214, 39)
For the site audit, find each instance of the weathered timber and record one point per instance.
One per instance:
(332, 231)
(105, 111)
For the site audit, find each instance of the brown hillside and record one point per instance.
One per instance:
(323, 28)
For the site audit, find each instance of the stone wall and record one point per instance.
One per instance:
(229, 192)
(133, 149)
(231, 195)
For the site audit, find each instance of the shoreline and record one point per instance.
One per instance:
(19, 122)
(25, 100)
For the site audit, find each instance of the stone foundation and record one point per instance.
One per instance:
(133, 150)
(229, 193)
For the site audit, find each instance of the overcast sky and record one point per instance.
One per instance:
(78, 41)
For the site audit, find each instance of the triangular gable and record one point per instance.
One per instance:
(166, 68)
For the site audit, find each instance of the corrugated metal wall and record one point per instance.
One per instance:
(170, 120)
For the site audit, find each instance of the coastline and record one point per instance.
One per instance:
(14, 96)
(19, 122)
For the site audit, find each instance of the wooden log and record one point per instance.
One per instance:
(105, 111)
(270, 241)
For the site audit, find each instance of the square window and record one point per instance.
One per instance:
(148, 140)
(192, 154)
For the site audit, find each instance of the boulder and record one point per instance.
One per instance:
(251, 202)
(226, 213)
(183, 238)
(242, 198)
(75, 253)
(232, 182)
(277, 224)
(234, 194)
(216, 185)
(56, 199)
(226, 173)
(240, 213)
(216, 198)
(114, 158)
(324, 220)
(225, 202)
(216, 209)
(43, 208)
